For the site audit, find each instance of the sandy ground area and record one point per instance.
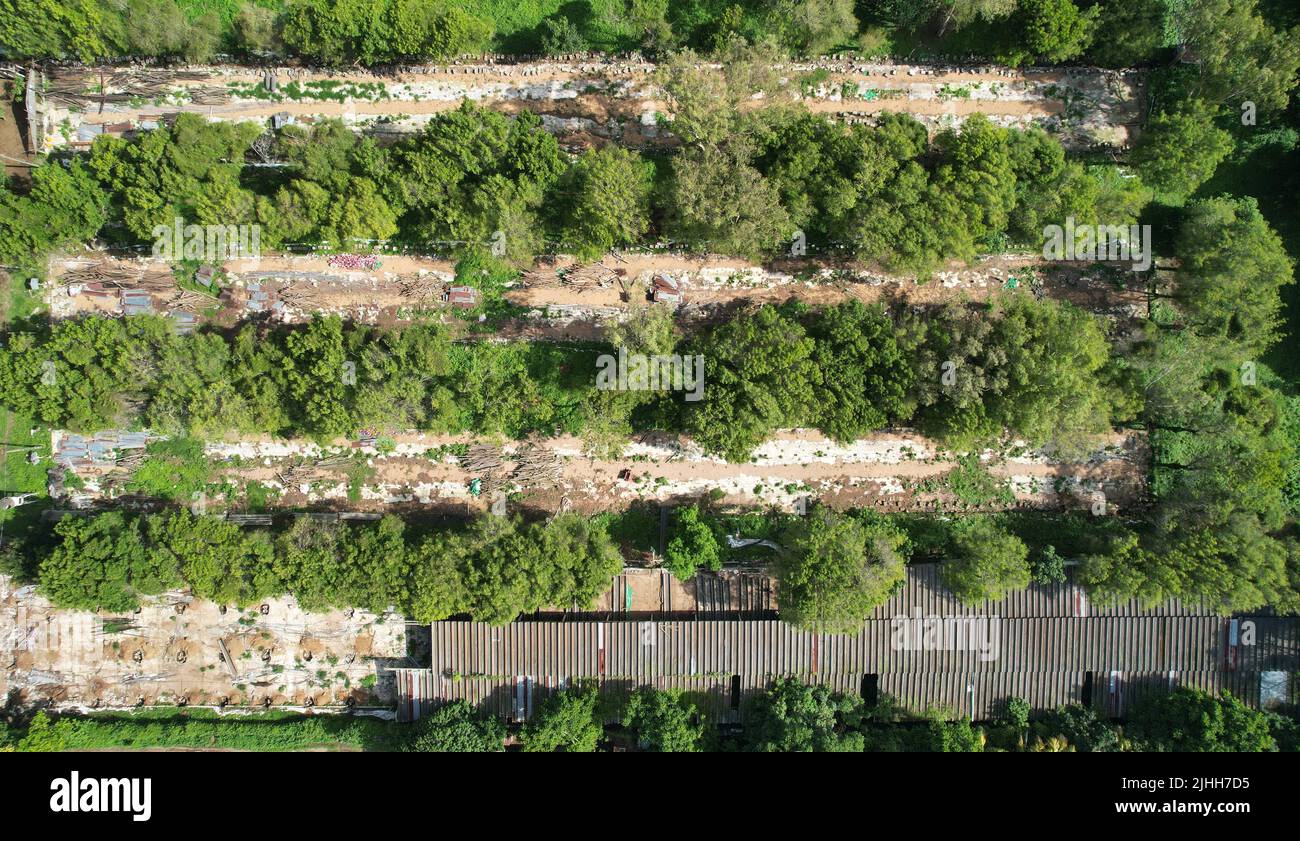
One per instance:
(178, 649)
(563, 301)
(597, 100)
(894, 471)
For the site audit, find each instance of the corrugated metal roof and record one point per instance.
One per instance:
(1044, 659)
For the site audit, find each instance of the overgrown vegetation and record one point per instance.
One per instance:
(492, 569)
(789, 717)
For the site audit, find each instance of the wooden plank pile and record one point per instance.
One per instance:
(420, 287)
(537, 467)
(591, 276)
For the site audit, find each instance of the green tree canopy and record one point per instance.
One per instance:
(662, 721)
(986, 561)
(796, 717)
(835, 569)
(566, 721)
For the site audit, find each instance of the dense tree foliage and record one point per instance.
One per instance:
(795, 717)
(986, 562)
(473, 178)
(493, 570)
(1191, 721)
(456, 727)
(694, 546)
(864, 375)
(566, 721)
(1179, 150)
(64, 206)
(380, 31)
(662, 721)
(1233, 268)
(1037, 369)
(835, 569)
(759, 377)
(609, 201)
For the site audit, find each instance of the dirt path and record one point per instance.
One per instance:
(890, 471)
(563, 301)
(594, 101)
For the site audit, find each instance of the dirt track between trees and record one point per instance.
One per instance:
(587, 102)
(560, 300)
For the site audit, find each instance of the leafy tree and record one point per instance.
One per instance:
(976, 173)
(561, 36)
(1189, 720)
(495, 391)
(836, 569)
(77, 29)
(759, 376)
(438, 589)
(1179, 150)
(1048, 567)
(954, 736)
(813, 27)
(101, 564)
(1232, 267)
(1134, 32)
(377, 31)
(1055, 360)
(957, 364)
(322, 376)
(864, 375)
(566, 721)
(473, 173)
(257, 29)
(610, 201)
(986, 562)
(1051, 30)
(1081, 727)
(693, 545)
(161, 28)
(213, 557)
(456, 728)
(953, 14)
(1017, 713)
(822, 169)
(796, 717)
(64, 206)
(705, 103)
(606, 423)
(1237, 54)
(175, 172)
(83, 372)
(662, 721)
(508, 569)
(719, 203)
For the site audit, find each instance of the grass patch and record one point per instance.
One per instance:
(174, 469)
(182, 728)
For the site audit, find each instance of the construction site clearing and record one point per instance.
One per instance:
(179, 650)
(896, 471)
(569, 299)
(583, 102)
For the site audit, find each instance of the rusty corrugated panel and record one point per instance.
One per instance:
(1043, 659)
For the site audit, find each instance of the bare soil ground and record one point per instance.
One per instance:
(13, 151)
(896, 471)
(290, 289)
(598, 101)
(171, 651)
